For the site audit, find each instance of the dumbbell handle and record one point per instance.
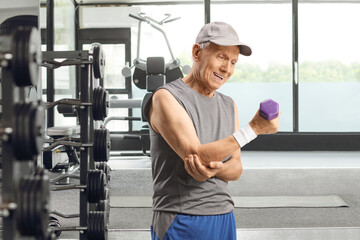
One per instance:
(269, 109)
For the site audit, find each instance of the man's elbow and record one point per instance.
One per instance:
(238, 172)
(206, 156)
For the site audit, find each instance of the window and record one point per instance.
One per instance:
(64, 40)
(267, 73)
(329, 70)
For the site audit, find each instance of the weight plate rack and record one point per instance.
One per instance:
(91, 106)
(25, 195)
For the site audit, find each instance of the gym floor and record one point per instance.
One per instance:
(265, 174)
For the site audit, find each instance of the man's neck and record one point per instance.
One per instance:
(195, 84)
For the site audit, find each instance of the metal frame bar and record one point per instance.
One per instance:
(131, 3)
(85, 128)
(207, 15)
(295, 65)
(50, 88)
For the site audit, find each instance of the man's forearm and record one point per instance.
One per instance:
(231, 170)
(217, 151)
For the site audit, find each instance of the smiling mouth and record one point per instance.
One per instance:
(218, 76)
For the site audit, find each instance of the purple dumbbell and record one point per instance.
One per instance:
(269, 109)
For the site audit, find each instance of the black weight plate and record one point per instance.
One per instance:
(96, 145)
(98, 61)
(97, 226)
(108, 145)
(103, 225)
(34, 124)
(102, 184)
(42, 204)
(35, 56)
(94, 187)
(102, 145)
(99, 186)
(25, 221)
(95, 194)
(37, 123)
(96, 112)
(90, 227)
(25, 143)
(23, 226)
(26, 129)
(24, 56)
(20, 217)
(27, 54)
(17, 49)
(90, 186)
(34, 211)
(95, 109)
(104, 104)
(10, 24)
(37, 206)
(17, 137)
(93, 226)
(30, 211)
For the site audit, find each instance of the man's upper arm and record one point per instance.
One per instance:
(237, 128)
(169, 118)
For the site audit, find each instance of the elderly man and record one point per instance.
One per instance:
(196, 142)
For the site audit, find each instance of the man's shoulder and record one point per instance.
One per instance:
(225, 97)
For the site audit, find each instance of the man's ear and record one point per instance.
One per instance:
(196, 50)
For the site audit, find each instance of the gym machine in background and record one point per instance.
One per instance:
(172, 67)
(147, 74)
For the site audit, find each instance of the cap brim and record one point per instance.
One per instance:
(244, 49)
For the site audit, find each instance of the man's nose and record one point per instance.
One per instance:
(226, 66)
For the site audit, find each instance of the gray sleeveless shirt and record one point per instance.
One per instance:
(174, 189)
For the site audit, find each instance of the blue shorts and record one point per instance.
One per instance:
(210, 227)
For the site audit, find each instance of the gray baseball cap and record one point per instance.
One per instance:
(222, 34)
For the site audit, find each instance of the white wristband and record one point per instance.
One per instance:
(244, 135)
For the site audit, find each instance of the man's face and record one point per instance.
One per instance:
(216, 65)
